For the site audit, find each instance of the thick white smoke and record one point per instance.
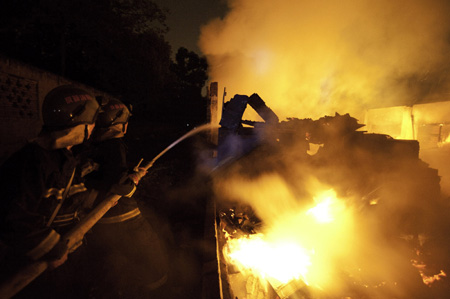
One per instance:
(311, 58)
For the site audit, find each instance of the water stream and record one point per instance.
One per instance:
(188, 134)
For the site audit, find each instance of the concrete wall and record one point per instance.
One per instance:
(22, 90)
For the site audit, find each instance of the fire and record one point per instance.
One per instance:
(317, 239)
(296, 246)
(283, 261)
(310, 58)
(327, 206)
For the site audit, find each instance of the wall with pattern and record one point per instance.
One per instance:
(22, 90)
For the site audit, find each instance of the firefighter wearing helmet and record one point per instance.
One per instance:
(42, 189)
(114, 112)
(69, 114)
(135, 247)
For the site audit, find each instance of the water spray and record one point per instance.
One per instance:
(188, 134)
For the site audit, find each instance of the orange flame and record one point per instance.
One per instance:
(327, 206)
(283, 261)
(318, 244)
(286, 252)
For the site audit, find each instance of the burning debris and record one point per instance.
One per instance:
(321, 209)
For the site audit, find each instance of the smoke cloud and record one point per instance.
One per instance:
(310, 58)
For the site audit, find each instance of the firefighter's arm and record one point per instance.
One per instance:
(126, 186)
(119, 178)
(137, 175)
(134, 178)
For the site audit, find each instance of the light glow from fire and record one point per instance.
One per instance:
(307, 59)
(311, 58)
(447, 140)
(283, 261)
(327, 206)
(279, 254)
(296, 238)
(317, 237)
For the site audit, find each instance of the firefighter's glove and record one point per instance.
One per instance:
(57, 255)
(136, 176)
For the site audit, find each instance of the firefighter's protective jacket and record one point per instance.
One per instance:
(33, 181)
(123, 241)
(112, 176)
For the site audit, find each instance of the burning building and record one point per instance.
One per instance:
(322, 209)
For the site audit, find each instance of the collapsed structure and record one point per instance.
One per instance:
(379, 177)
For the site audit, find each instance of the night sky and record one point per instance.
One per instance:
(186, 18)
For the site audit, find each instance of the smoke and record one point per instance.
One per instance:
(307, 59)
(310, 58)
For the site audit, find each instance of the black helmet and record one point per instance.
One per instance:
(112, 113)
(67, 106)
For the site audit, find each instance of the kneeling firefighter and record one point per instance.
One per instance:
(130, 258)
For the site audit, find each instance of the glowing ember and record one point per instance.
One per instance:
(427, 279)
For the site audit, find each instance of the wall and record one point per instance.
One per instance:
(22, 90)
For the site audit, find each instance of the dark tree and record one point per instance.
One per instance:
(189, 72)
(190, 69)
(114, 45)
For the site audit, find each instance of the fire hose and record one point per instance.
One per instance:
(74, 237)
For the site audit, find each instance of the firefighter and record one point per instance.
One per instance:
(42, 190)
(128, 254)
